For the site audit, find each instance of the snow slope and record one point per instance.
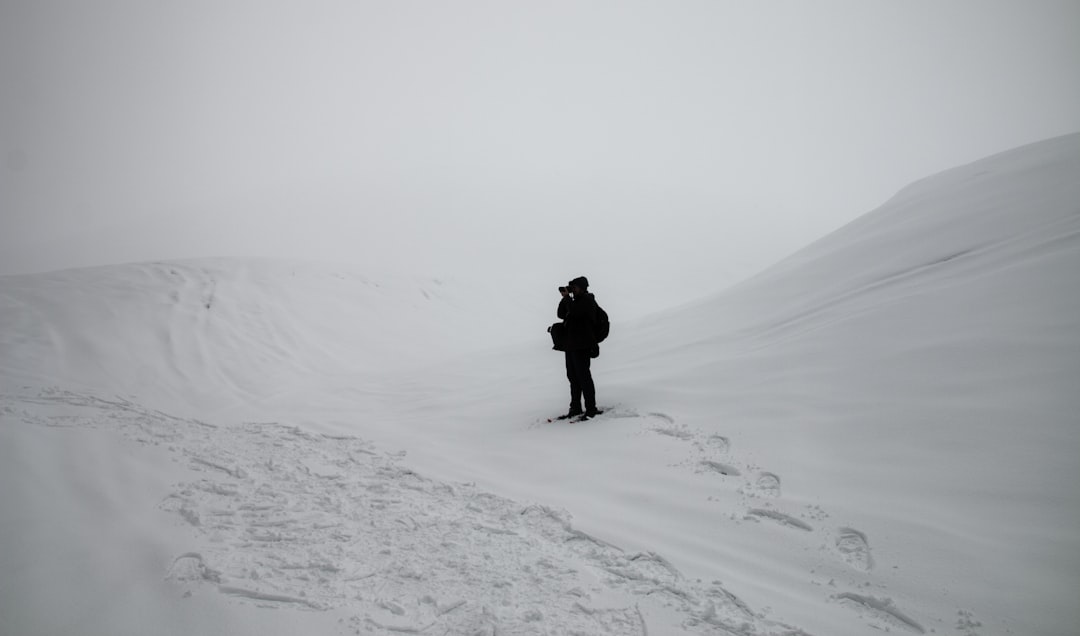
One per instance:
(878, 433)
(898, 400)
(212, 335)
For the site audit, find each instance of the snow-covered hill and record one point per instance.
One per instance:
(208, 335)
(914, 375)
(879, 432)
(907, 386)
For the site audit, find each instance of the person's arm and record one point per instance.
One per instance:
(564, 307)
(583, 309)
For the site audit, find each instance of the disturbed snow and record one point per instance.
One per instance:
(879, 432)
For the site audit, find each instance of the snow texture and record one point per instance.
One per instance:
(879, 433)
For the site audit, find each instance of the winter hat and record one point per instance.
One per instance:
(581, 282)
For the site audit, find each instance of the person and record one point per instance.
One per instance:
(577, 309)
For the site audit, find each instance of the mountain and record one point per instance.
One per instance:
(878, 432)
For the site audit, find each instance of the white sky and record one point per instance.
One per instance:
(671, 146)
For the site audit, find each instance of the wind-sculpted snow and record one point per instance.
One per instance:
(877, 434)
(281, 517)
(189, 333)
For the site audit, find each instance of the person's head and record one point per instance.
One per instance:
(579, 285)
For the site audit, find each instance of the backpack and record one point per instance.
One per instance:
(602, 326)
(558, 336)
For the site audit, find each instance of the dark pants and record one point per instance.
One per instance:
(581, 383)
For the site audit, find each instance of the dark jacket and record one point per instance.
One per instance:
(579, 315)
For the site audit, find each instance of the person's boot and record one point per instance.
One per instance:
(593, 412)
(574, 412)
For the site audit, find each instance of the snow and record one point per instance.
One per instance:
(879, 433)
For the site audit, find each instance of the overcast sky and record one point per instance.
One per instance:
(669, 145)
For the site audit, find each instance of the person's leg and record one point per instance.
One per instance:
(577, 368)
(585, 381)
(575, 386)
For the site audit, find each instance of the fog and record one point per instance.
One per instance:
(664, 149)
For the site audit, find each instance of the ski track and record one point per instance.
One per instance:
(283, 518)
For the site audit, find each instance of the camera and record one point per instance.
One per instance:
(564, 290)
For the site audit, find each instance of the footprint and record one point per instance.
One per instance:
(767, 484)
(718, 442)
(669, 428)
(674, 431)
(854, 549)
(723, 469)
(780, 518)
(882, 609)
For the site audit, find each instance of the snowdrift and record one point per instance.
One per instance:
(879, 432)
